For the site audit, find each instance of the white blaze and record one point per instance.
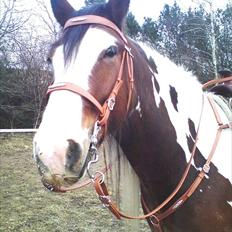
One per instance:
(62, 119)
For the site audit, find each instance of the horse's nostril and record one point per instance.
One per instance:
(70, 179)
(53, 182)
(73, 153)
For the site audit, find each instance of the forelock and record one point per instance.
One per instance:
(72, 36)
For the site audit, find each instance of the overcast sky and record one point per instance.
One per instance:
(152, 8)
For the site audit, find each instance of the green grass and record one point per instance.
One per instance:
(25, 206)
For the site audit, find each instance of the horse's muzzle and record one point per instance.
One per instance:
(54, 182)
(54, 174)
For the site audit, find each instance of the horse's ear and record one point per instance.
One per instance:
(62, 10)
(118, 10)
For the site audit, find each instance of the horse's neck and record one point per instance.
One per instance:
(155, 135)
(159, 134)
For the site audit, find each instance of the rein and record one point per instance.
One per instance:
(216, 81)
(155, 216)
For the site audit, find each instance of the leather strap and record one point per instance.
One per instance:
(216, 81)
(85, 183)
(108, 106)
(205, 169)
(75, 89)
(99, 184)
(127, 59)
(164, 203)
(102, 191)
(94, 19)
(103, 194)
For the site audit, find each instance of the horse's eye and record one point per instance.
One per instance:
(111, 51)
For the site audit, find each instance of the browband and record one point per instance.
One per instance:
(94, 19)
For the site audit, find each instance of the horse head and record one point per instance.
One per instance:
(107, 87)
(91, 60)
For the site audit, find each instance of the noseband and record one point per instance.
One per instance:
(127, 61)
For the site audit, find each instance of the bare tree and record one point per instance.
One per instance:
(212, 33)
(43, 13)
(24, 76)
(12, 18)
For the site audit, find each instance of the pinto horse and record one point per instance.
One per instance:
(174, 135)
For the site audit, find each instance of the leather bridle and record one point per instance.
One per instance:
(105, 109)
(156, 216)
(127, 61)
(108, 106)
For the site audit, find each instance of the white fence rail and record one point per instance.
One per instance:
(17, 131)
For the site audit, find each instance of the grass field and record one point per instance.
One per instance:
(25, 206)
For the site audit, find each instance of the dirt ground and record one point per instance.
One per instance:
(25, 205)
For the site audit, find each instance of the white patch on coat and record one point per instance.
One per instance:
(222, 157)
(138, 108)
(170, 74)
(80, 68)
(156, 95)
(189, 107)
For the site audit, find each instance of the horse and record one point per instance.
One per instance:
(109, 87)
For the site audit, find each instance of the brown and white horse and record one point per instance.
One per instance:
(156, 115)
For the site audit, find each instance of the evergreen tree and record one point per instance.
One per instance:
(132, 27)
(224, 38)
(196, 46)
(169, 25)
(185, 37)
(150, 32)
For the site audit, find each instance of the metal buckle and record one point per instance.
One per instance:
(111, 103)
(129, 51)
(178, 204)
(93, 152)
(97, 175)
(154, 221)
(96, 130)
(105, 201)
(206, 168)
(95, 160)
